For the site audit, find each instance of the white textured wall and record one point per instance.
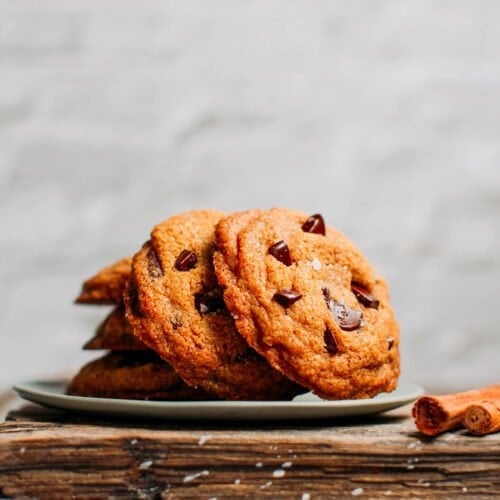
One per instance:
(382, 115)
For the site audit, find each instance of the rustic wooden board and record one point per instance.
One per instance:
(49, 454)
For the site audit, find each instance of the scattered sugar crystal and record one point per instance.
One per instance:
(264, 486)
(259, 465)
(464, 489)
(306, 496)
(235, 316)
(410, 462)
(237, 481)
(423, 483)
(356, 492)
(22, 450)
(203, 439)
(134, 441)
(146, 464)
(412, 444)
(316, 264)
(279, 473)
(388, 493)
(192, 477)
(286, 465)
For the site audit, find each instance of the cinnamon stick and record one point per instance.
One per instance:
(482, 418)
(436, 414)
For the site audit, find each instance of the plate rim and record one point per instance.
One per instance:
(31, 389)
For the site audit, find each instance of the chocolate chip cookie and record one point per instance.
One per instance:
(115, 334)
(132, 375)
(306, 298)
(175, 307)
(107, 286)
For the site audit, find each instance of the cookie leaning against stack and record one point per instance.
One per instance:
(306, 298)
(175, 306)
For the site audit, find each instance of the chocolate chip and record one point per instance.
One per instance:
(209, 301)
(281, 252)
(330, 342)
(364, 296)
(314, 224)
(347, 318)
(326, 294)
(186, 260)
(154, 266)
(390, 343)
(286, 297)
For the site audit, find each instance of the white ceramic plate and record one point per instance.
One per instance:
(305, 406)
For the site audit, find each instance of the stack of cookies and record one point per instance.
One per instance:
(257, 305)
(130, 370)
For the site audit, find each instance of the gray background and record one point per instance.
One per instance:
(382, 115)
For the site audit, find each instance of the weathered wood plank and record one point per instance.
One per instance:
(49, 454)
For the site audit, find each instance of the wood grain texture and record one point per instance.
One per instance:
(49, 454)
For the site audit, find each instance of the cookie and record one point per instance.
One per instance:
(132, 375)
(306, 298)
(175, 306)
(107, 286)
(115, 334)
